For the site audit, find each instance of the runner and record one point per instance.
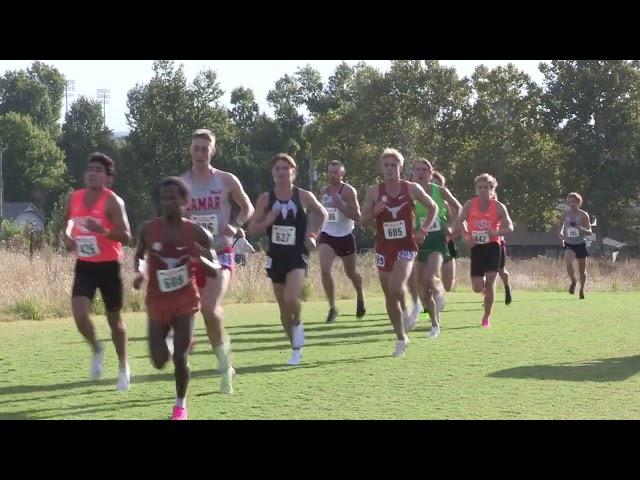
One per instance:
(211, 190)
(434, 248)
(574, 228)
(502, 271)
(96, 226)
(282, 214)
(341, 202)
(173, 246)
(487, 220)
(390, 206)
(449, 264)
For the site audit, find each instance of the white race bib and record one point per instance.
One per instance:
(172, 279)
(208, 222)
(480, 237)
(572, 232)
(281, 235)
(379, 260)
(87, 246)
(334, 214)
(435, 226)
(394, 230)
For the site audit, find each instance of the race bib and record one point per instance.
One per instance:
(435, 226)
(573, 232)
(333, 215)
(208, 222)
(480, 237)
(172, 279)
(87, 246)
(394, 230)
(281, 235)
(379, 260)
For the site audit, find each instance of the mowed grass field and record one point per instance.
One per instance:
(548, 356)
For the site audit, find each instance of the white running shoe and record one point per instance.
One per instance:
(97, 363)
(124, 380)
(298, 336)
(401, 347)
(434, 332)
(296, 355)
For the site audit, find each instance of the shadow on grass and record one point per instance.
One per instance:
(602, 370)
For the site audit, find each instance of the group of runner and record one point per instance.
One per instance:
(186, 254)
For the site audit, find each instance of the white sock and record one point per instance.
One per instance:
(181, 402)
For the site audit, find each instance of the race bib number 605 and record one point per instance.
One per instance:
(394, 230)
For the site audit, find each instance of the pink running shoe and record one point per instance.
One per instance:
(179, 413)
(486, 323)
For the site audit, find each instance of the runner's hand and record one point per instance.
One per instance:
(379, 207)
(137, 281)
(95, 227)
(310, 243)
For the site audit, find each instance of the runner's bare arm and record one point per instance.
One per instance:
(318, 213)
(69, 244)
(455, 207)
(370, 208)
(262, 219)
(141, 250)
(459, 227)
(506, 225)
(417, 193)
(586, 223)
(239, 196)
(349, 205)
(561, 231)
(118, 215)
(204, 253)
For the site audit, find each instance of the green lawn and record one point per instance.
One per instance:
(548, 356)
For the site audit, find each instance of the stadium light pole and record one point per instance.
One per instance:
(104, 94)
(69, 91)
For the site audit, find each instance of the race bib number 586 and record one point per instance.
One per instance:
(208, 222)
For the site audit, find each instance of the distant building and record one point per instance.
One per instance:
(24, 214)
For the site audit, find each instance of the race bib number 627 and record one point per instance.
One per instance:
(282, 235)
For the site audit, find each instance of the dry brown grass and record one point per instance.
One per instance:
(40, 287)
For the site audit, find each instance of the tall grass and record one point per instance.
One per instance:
(40, 287)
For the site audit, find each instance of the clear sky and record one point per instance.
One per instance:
(119, 76)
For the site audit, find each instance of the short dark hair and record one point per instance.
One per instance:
(178, 182)
(105, 160)
(336, 163)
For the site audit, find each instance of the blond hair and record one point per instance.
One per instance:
(485, 177)
(285, 158)
(577, 196)
(425, 161)
(392, 152)
(204, 134)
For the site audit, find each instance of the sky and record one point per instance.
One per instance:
(119, 76)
